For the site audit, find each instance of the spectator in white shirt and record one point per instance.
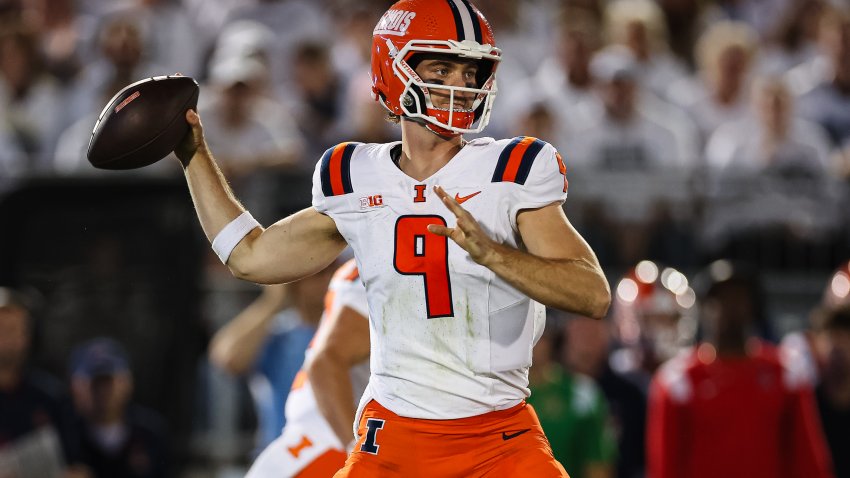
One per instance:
(725, 54)
(564, 83)
(639, 26)
(252, 133)
(630, 161)
(828, 101)
(168, 34)
(770, 173)
(30, 100)
(624, 136)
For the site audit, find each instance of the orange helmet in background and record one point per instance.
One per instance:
(412, 28)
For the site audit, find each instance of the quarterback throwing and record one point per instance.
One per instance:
(459, 244)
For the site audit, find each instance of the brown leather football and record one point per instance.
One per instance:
(143, 123)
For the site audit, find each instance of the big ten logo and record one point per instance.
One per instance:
(371, 201)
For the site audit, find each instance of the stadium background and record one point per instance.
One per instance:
(121, 254)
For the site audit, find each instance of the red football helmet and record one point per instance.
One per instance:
(651, 312)
(451, 27)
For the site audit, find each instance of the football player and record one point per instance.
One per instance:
(457, 242)
(320, 407)
(729, 406)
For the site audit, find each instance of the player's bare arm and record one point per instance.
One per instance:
(339, 345)
(558, 268)
(235, 347)
(295, 247)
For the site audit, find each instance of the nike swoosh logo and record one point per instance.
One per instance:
(506, 436)
(462, 199)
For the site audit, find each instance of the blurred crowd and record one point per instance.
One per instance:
(692, 130)
(688, 125)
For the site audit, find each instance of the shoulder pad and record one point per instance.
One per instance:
(516, 159)
(335, 169)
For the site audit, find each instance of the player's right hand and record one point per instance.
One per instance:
(468, 233)
(193, 141)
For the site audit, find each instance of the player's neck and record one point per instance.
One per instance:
(731, 345)
(423, 153)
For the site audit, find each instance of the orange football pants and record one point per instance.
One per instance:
(324, 466)
(506, 443)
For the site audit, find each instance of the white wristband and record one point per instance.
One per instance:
(229, 237)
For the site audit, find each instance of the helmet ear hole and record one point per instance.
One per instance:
(408, 100)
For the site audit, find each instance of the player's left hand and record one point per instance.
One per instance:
(467, 233)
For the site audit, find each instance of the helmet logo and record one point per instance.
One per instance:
(394, 22)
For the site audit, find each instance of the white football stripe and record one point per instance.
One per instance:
(466, 19)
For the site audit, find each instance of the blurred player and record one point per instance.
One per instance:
(729, 407)
(833, 391)
(652, 320)
(804, 349)
(321, 405)
(453, 290)
(821, 354)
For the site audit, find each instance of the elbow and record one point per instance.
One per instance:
(240, 270)
(600, 307)
(257, 274)
(592, 303)
(600, 301)
(320, 364)
(242, 264)
(223, 358)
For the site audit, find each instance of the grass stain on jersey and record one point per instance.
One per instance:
(470, 330)
(384, 319)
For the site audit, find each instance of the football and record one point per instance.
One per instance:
(142, 123)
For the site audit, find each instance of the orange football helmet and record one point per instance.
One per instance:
(450, 27)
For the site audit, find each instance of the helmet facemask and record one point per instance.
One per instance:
(454, 118)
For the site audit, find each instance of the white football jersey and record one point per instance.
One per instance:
(449, 339)
(307, 435)
(345, 290)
